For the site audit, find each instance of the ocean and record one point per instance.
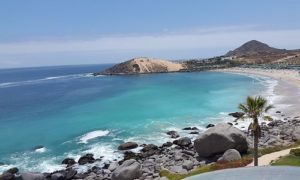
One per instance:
(50, 113)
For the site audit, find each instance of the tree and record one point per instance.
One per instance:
(254, 109)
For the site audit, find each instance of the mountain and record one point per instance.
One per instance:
(255, 52)
(254, 47)
(143, 65)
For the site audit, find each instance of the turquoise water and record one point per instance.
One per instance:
(56, 107)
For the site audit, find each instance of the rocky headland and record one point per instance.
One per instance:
(143, 65)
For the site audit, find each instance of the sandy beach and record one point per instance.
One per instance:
(287, 90)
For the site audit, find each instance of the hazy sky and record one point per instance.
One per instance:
(59, 32)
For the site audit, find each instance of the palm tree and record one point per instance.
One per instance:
(254, 108)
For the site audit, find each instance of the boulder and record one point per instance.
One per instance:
(185, 141)
(128, 146)
(58, 176)
(237, 115)
(190, 128)
(230, 155)
(32, 176)
(7, 176)
(129, 170)
(210, 125)
(69, 162)
(296, 133)
(188, 165)
(88, 158)
(13, 170)
(173, 134)
(218, 139)
(167, 144)
(113, 166)
(70, 174)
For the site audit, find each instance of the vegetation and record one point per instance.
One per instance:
(295, 152)
(254, 108)
(293, 159)
(289, 160)
(272, 149)
(203, 169)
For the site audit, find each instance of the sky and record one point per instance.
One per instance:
(67, 32)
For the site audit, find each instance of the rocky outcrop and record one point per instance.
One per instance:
(69, 162)
(230, 155)
(129, 170)
(88, 158)
(142, 66)
(185, 141)
(218, 139)
(128, 146)
(237, 115)
(173, 134)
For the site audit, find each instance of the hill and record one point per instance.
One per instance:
(143, 65)
(255, 52)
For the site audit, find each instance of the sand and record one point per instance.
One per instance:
(150, 64)
(287, 88)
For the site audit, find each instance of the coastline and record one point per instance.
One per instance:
(288, 82)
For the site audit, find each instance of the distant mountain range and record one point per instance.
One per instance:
(255, 52)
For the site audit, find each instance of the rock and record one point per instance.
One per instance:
(149, 150)
(149, 147)
(173, 134)
(70, 174)
(129, 170)
(190, 128)
(128, 146)
(210, 125)
(38, 147)
(230, 155)
(185, 141)
(230, 123)
(13, 170)
(32, 176)
(278, 112)
(167, 144)
(177, 169)
(69, 162)
(130, 155)
(188, 165)
(237, 115)
(7, 176)
(194, 132)
(113, 166)
(296, 133)
(218, 139)
(58, 176)
(88, 158)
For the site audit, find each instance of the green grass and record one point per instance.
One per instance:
(203, 169)
(247, 159)
(289, 160)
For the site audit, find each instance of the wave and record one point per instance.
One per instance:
(41, 150)
(92, 135)
(37, 81)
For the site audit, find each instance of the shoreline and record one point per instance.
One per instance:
(284, 87)
(286, 99)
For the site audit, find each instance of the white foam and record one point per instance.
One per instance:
(41, 150)
(94, 134)
(36, 81)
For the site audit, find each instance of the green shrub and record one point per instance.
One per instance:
(295, 152)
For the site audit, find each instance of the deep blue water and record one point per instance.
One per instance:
(57, 106)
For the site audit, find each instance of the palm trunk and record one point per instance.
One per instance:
(256, 135)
